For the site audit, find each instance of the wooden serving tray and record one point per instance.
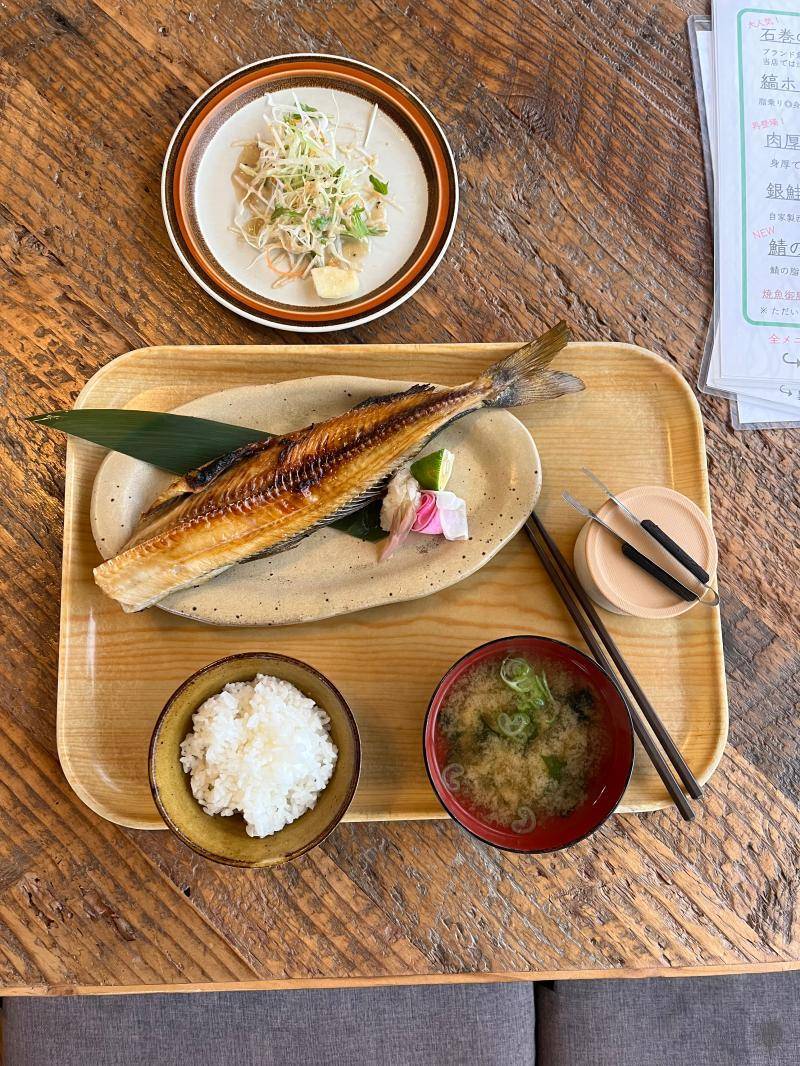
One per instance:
(636, 423)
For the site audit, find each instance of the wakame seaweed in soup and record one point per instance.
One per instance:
(521, 740)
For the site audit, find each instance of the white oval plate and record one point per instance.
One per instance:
(497, 472)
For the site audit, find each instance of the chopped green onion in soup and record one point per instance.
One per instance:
(525, 736)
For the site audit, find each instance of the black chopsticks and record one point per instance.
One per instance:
(595, 635)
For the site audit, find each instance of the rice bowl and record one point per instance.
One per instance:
(225, 839)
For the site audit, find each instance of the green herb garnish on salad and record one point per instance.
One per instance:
(307, 192)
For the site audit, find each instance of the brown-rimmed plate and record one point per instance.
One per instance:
(199, 196)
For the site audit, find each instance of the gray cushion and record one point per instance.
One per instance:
(445, 1025)
(747, 1020)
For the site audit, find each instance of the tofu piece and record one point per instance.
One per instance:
(333, 283)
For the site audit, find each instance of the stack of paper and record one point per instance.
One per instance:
(747, 64)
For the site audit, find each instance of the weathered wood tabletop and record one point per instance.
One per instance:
(583, 197)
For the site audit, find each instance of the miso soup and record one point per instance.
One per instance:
(522, 738)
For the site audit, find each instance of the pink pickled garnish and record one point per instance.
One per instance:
(427, 519)
(402, 523)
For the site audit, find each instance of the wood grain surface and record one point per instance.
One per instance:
(576, 138)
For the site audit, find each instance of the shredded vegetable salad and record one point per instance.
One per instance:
(308, 201)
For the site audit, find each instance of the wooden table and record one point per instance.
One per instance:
(576, 137)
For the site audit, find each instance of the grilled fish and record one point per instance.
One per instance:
(265, 497)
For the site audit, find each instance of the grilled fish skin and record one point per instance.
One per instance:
(265, 497)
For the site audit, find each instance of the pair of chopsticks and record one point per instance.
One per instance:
(605, 651)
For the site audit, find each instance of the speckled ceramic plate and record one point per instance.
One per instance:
(225, 839)
(200, 198)
(496, 472)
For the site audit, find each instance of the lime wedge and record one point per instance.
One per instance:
(433, 471)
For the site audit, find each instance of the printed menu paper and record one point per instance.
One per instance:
(751, 91)
(753, 404)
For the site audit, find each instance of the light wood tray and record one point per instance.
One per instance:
(636, 423)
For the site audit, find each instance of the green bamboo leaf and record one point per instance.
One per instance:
(176, 443)
(364, 524)
(179, 444)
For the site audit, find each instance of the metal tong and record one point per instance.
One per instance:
(643, 561)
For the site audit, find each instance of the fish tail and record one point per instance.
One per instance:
(523, 377)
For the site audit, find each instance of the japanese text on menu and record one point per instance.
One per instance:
(769, 104)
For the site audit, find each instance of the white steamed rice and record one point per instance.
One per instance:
(262, 748)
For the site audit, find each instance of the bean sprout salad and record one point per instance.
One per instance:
(310, 204)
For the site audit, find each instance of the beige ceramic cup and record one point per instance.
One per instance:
(617, 584)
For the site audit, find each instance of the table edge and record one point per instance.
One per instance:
(505, 977)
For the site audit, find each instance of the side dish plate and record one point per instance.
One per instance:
(199, 197)
(636, 423)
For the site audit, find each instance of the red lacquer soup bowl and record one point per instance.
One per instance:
(609, 774)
